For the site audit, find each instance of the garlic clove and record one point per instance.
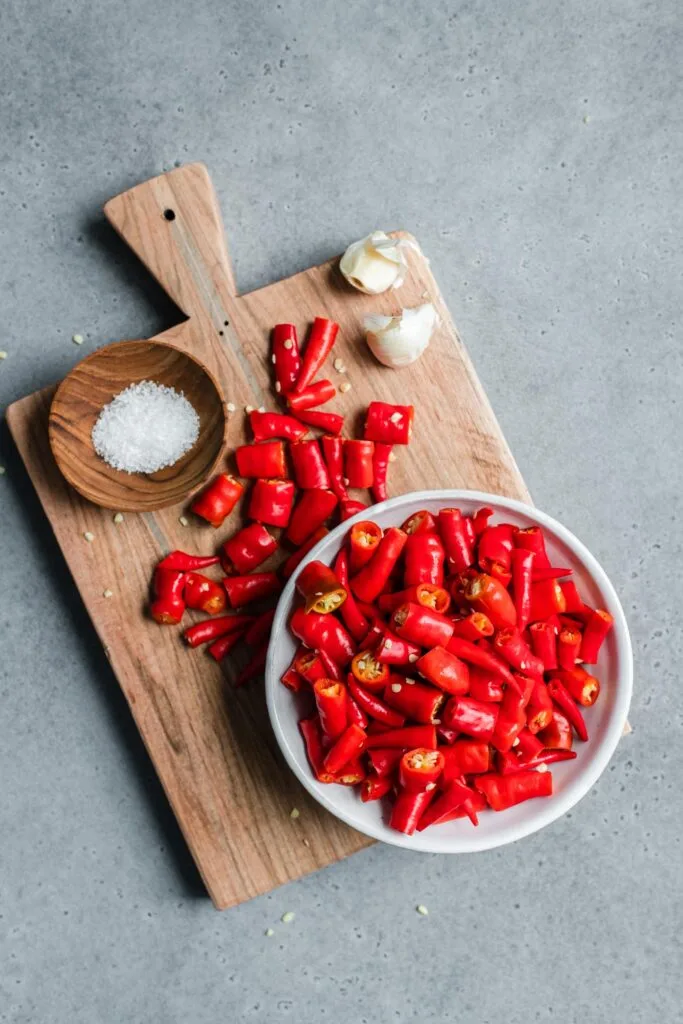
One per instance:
(399, 340)
(374, 264)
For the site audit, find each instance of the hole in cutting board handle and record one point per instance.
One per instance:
(169, 214)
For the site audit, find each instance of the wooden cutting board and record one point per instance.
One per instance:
(212, 745)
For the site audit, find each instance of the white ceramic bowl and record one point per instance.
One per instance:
(572, 779)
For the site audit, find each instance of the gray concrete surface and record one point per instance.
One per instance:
(535, 150)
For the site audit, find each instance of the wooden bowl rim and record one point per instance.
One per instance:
(128, 506)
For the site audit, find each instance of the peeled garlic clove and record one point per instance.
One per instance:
(400, 340)
(374, 264)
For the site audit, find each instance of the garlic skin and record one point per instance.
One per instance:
(399, 340)
(375, 264)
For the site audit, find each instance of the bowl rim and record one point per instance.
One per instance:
(125, 505)
(548, 810)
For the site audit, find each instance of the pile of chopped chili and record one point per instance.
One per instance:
(297, 484)
(446, 662)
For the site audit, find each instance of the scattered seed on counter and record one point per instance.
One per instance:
(261, 408)
(586, 118)
(118, 518)
(230, 407)
(294, 813)
(269, 933)
(89, 536)
(392, 456)
(288, 917)
(306, 842)
(107, 593)
(421, 909)
(346, 386)
(249, 409)
(183, 520)
(3, 354)
(2, 470)
(77, 339)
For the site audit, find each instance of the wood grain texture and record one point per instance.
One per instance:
(211, 745)
(93, 383)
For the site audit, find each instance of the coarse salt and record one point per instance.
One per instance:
(145, 428)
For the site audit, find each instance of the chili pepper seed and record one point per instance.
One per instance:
(346, 386)
(230, 407)
(288, 917)
(421, 909)
(248, 409)
(77, 339)
(294, 813)
(183, 520)
(2, 470)
(278, 386)
(269, 933)
(395, 687)
(3, 355)
(392, 456)
(118, 518)
(89, 536)
(107, 593)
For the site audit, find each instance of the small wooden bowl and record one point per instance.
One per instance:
(94, 382)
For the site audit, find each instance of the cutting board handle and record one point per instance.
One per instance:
(173, 223)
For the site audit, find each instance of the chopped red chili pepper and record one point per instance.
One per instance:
(480, 519)
(320, 588)
(221, 647)
(486, 686)
(358, 463)
(544, 643)
(455, 538)
(323, 632)
(285, 356)
(313, 508)
(419, 522)
(265, 460)
(422, 626)
(473, 627)
(503, 791)
(420, 769)
(168, 605)
(572, 599)
(381, 457)
(349, 745)
(368, 584)
(217, 501)
(243, 590)
(375, 787)
(408, 809)
(531, 539)
(547, 598)
(510, 645)
(510, 722)
(352, 616)
(203, 594)
(408, 737)
(557, 735)
(271, 502)
(444, 670)
(310, 397)
(548, 572)
(473, 717)
(489, 596)
(426, 594)
(291, 679)
(247, 549)
(211, 629)
(584, 688)
(391, 649)
(331, 702)
(482, 657)
(356, 714)
(457, 798)
(332, 669)
(182, 562)
(597, 628)
(416, 701)
(390, 424)
(350, 507)
(528, 745)
(312, 733)
(539, 712)
(424, 559)
(465, 757)
(333, 453)
(364, 539)
(568, 646)
(330, 422)
(310, 471)
(267, 425)
(319, 345)
(370, 672)
(373, 705)
(309, 665)
(522, 573)
(383, 760)
(495, 547)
